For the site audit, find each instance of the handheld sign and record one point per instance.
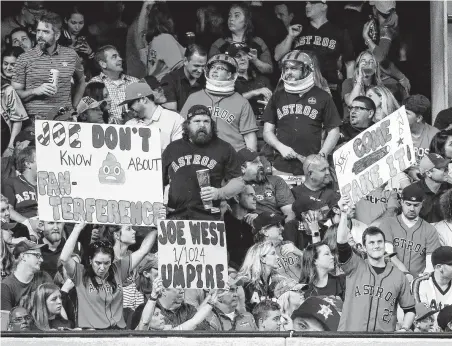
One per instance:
(192, 254)
(375, 156)
(109, 174)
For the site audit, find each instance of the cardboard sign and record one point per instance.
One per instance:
(109, 174)
(192, 254)
(375, 156)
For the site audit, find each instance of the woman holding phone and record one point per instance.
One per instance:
(241, 31)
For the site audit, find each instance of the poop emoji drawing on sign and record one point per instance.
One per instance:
(111, 172)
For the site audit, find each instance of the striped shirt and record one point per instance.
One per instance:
(33, 69)
(117, 91)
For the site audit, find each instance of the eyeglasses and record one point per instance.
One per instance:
(37, 255)
(21, 319)
(219, 68)
(358, 108)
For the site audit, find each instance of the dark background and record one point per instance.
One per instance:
(414, 22)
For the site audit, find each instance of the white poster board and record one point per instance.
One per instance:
(108, 174)
(375, 156)
(192, 254)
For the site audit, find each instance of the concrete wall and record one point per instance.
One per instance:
(223, 341)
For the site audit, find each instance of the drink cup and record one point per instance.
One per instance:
(53, 79)
(203, 176)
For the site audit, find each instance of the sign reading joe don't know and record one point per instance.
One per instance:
(108, 174)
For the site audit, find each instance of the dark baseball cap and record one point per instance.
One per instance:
(198, 110)
(247, 155)
(431, 161)
(444, 317)
(413, 193)
(25, 136)
(25, 246)
(323, 309)
(442, 255)
(267, 219)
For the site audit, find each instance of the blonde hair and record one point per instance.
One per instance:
(285, 303)
(252, 267)
(376, 79)
(388, 102)
(39, 310)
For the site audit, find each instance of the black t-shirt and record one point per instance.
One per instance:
(353, 21)
(295, 232)
(299, 121)
(177, 88)
(306, 199)
(50, 258)
(348, 132)
(243, 86)
(239, 238)
(180, 161)
(334, 287)
(328, 42)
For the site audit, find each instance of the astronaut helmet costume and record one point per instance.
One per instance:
(221, 73)
(297, 72)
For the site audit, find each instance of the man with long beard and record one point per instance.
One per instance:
(199, 149)
(272, 192)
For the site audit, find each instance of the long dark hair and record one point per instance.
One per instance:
(438, 143)
(249, 27)
(309, 274)
(104, 247)
(160, 22)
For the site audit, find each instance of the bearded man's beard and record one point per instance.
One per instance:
(201, 136)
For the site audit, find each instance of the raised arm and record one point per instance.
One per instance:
(144, 249)
(204, 309)
(65, 257)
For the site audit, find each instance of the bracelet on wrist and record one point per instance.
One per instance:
(153, 299)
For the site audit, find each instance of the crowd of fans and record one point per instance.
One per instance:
(262, 99)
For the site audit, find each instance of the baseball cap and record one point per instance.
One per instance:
(267, 219)
(34, 5)
(444, 317)
(442, 255)
(323, 309)
(431, 161)
(136, 91)
(198, 110)
(148, 262)
(25, 136)
(413, 193)
(88, 103)
(247, 155)
(154, 82)
(423, 311)
(279, 287)
(25, 246)
(418, 104)
(383, 6)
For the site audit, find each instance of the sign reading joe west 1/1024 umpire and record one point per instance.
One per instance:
(109, 174)
(375, 156)
(192, 254)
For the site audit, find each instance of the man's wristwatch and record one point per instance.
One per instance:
(322, 154)
(315, 234)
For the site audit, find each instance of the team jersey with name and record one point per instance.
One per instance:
(328, 42)
(371, 299)
(298, 121)
(180, 161)
(421, 144)
(411, 245)
(232, 113)
(21, 195)
(427, 290)
(289, 265)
